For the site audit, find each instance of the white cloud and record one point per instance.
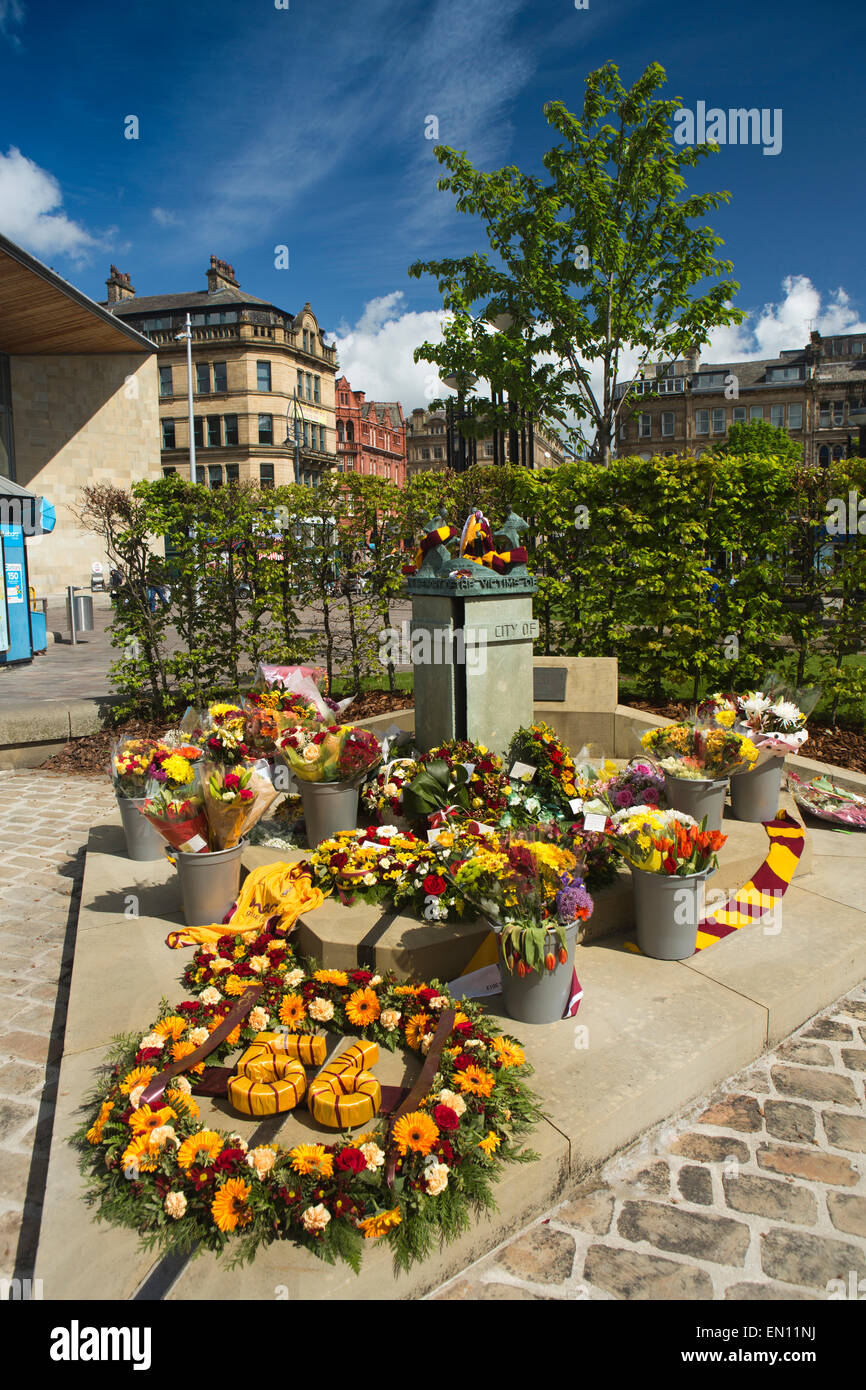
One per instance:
(166, 218)
(11, 14)
(785, 323)
(31, 210)
(376, 353)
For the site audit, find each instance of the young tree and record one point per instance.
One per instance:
(758, 438)
(601, 259)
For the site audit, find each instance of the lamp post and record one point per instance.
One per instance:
(521, 444)
(186, 336)
(458, 454)
(295, 414)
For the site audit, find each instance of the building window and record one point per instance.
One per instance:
(437, 452)
(306, 435)
(784, 373)
(795, 416)
(213, 431)
(266, 429)
(266, 475)
(645, 427)
(220, 379)
(167, 472)
(316, 385)
(166, 386)
(263, 376)
(202, 378)
(667, 422)
(425, 454)
(702, 422)
(168, 440)
(756, 412)
(719, 420)
(777, 416)
(824, 455)
(344, 397)
(350, 432)
(306, 341)
(824, 415)
(232, 475)
(299, 389)
(214, 476)
(198, 432)
(230, 424)
(309, 381)
(838, 414)
(739, 414)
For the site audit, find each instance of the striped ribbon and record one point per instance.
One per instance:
(764, 888)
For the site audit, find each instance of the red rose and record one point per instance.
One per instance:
(464, 1029)
(339, 860)
(435, 885)
(231, 780)
(147, 1054)
(227, 1159)
(463, 1061)
(350, 1161)
(247, 794)
(555, 756)
(427, 995)
(445, 1117)
(361, 977)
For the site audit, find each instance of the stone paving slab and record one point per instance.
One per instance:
(709, 1205)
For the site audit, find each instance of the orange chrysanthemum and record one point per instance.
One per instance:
(416, 1027)
(139, 1156)
(139, 1076)
(230, 1207)
(331, 977)
(312, 1158)
(184, 1049)
(416, 1132)
(292, 1012)
(145, 1120)
(94, 1134)
(491, 1143)
(362, 1007)
(475, 1080)
(172, 1027)
(376, 1226)
(509, 1054)
(182, 1101)
(407, 989)
(233, 984)
(203, 1148)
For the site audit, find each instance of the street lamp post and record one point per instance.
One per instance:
(186, 336)
(295, 414)
(460, 381)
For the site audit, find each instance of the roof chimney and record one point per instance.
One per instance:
(118, 286)
(221, 276)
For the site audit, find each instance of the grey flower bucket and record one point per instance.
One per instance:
(142, 840)
(667, 909)
(539, 997)
(209, 884)
(329, 807)
(755, 796)
(697, 797)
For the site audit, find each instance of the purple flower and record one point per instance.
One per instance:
(625, 797)
(572, 900)
(651, 796)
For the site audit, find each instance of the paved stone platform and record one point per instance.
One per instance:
(651, 1036)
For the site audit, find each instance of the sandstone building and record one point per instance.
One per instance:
(371, 435)
(428, 447)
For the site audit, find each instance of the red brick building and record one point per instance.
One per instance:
(371, 435)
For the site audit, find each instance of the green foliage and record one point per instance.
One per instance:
(761, 438)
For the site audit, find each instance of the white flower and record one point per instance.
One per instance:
(238, 1143)
(787, 713)
(756, 703)
(294, 977)
(454, 1102)
(136, 1094)
(316, 1218)
(439, 1002)
(387, 832)
(425, 1043)
(181, 1083)
(262, 1160)
(152, 1040)
(197, 1036)
(473, 1042)
(322, 1010)
(210, 995)
(374, 1155)
(175, 1204)
(162, 1135)
(259, 964)
(369, 880)
(376, 980)
(436, 1178)
(391, 789)
(489, 907)
(389, 1019)
(258, 1018)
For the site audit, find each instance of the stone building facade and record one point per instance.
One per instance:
(263, 381)
(808, 391)
(427, 444)
(371, 435)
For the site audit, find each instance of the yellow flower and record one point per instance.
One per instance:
(145, 1120)
(331, 977)
(407, 989)
(172, 1027)
(292, 1012)
(139, 1156)
(185, 1049)
(94, 1134)
(416, 1132)
(202, 1147)
(491, 1143)
(177, 769)
(416, 1027)
(376, 1226)
(139, 1076)
(230, 1207)
(475, 1080)
(509, 1054)
(184, 1102)
(218, 710)
(725, 717)
(311, 1158)
(233, 984)
(362, 1007)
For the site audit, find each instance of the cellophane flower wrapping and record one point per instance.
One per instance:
(235, 800)
(175, 804)
(129, 765)
(305, 681)
(665, 841)
(700, 751)
(333, 753)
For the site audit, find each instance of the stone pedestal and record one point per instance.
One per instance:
(471, 638)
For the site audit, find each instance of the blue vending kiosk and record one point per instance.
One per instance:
(22, 514)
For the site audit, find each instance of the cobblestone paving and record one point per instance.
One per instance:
(757, 1193)
(42, 839)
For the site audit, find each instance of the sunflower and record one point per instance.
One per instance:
(416, 1027)
(376, 1226)
(312, 1158)
(509, 1054)
(292, 1012)
(145, 1120)
(139, 1156)
(172, 1027)
(362, 1007)
(491, 1143)
(139, 1076)
(475, 1080)
(233, 984)
(203, 1147)
(230, 1207)
(416, 1132)
(184, 1103)
(185, 1049)
(331, 977)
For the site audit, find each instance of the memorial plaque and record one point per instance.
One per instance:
(548, 682)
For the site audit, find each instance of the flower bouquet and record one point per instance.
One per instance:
(461, 776)
(697, 760)
(542, 775)
(822, 798)
(638, 784)
(329, 765)
(234, 801)
(670, 857)
(223, 736)
(387, 865)
(774, 719)
(303, 681)
(129, 768)
(382, 793)
(174, 802)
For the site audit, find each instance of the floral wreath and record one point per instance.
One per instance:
(412, 1181)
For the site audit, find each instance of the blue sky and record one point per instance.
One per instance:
(305, 126)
